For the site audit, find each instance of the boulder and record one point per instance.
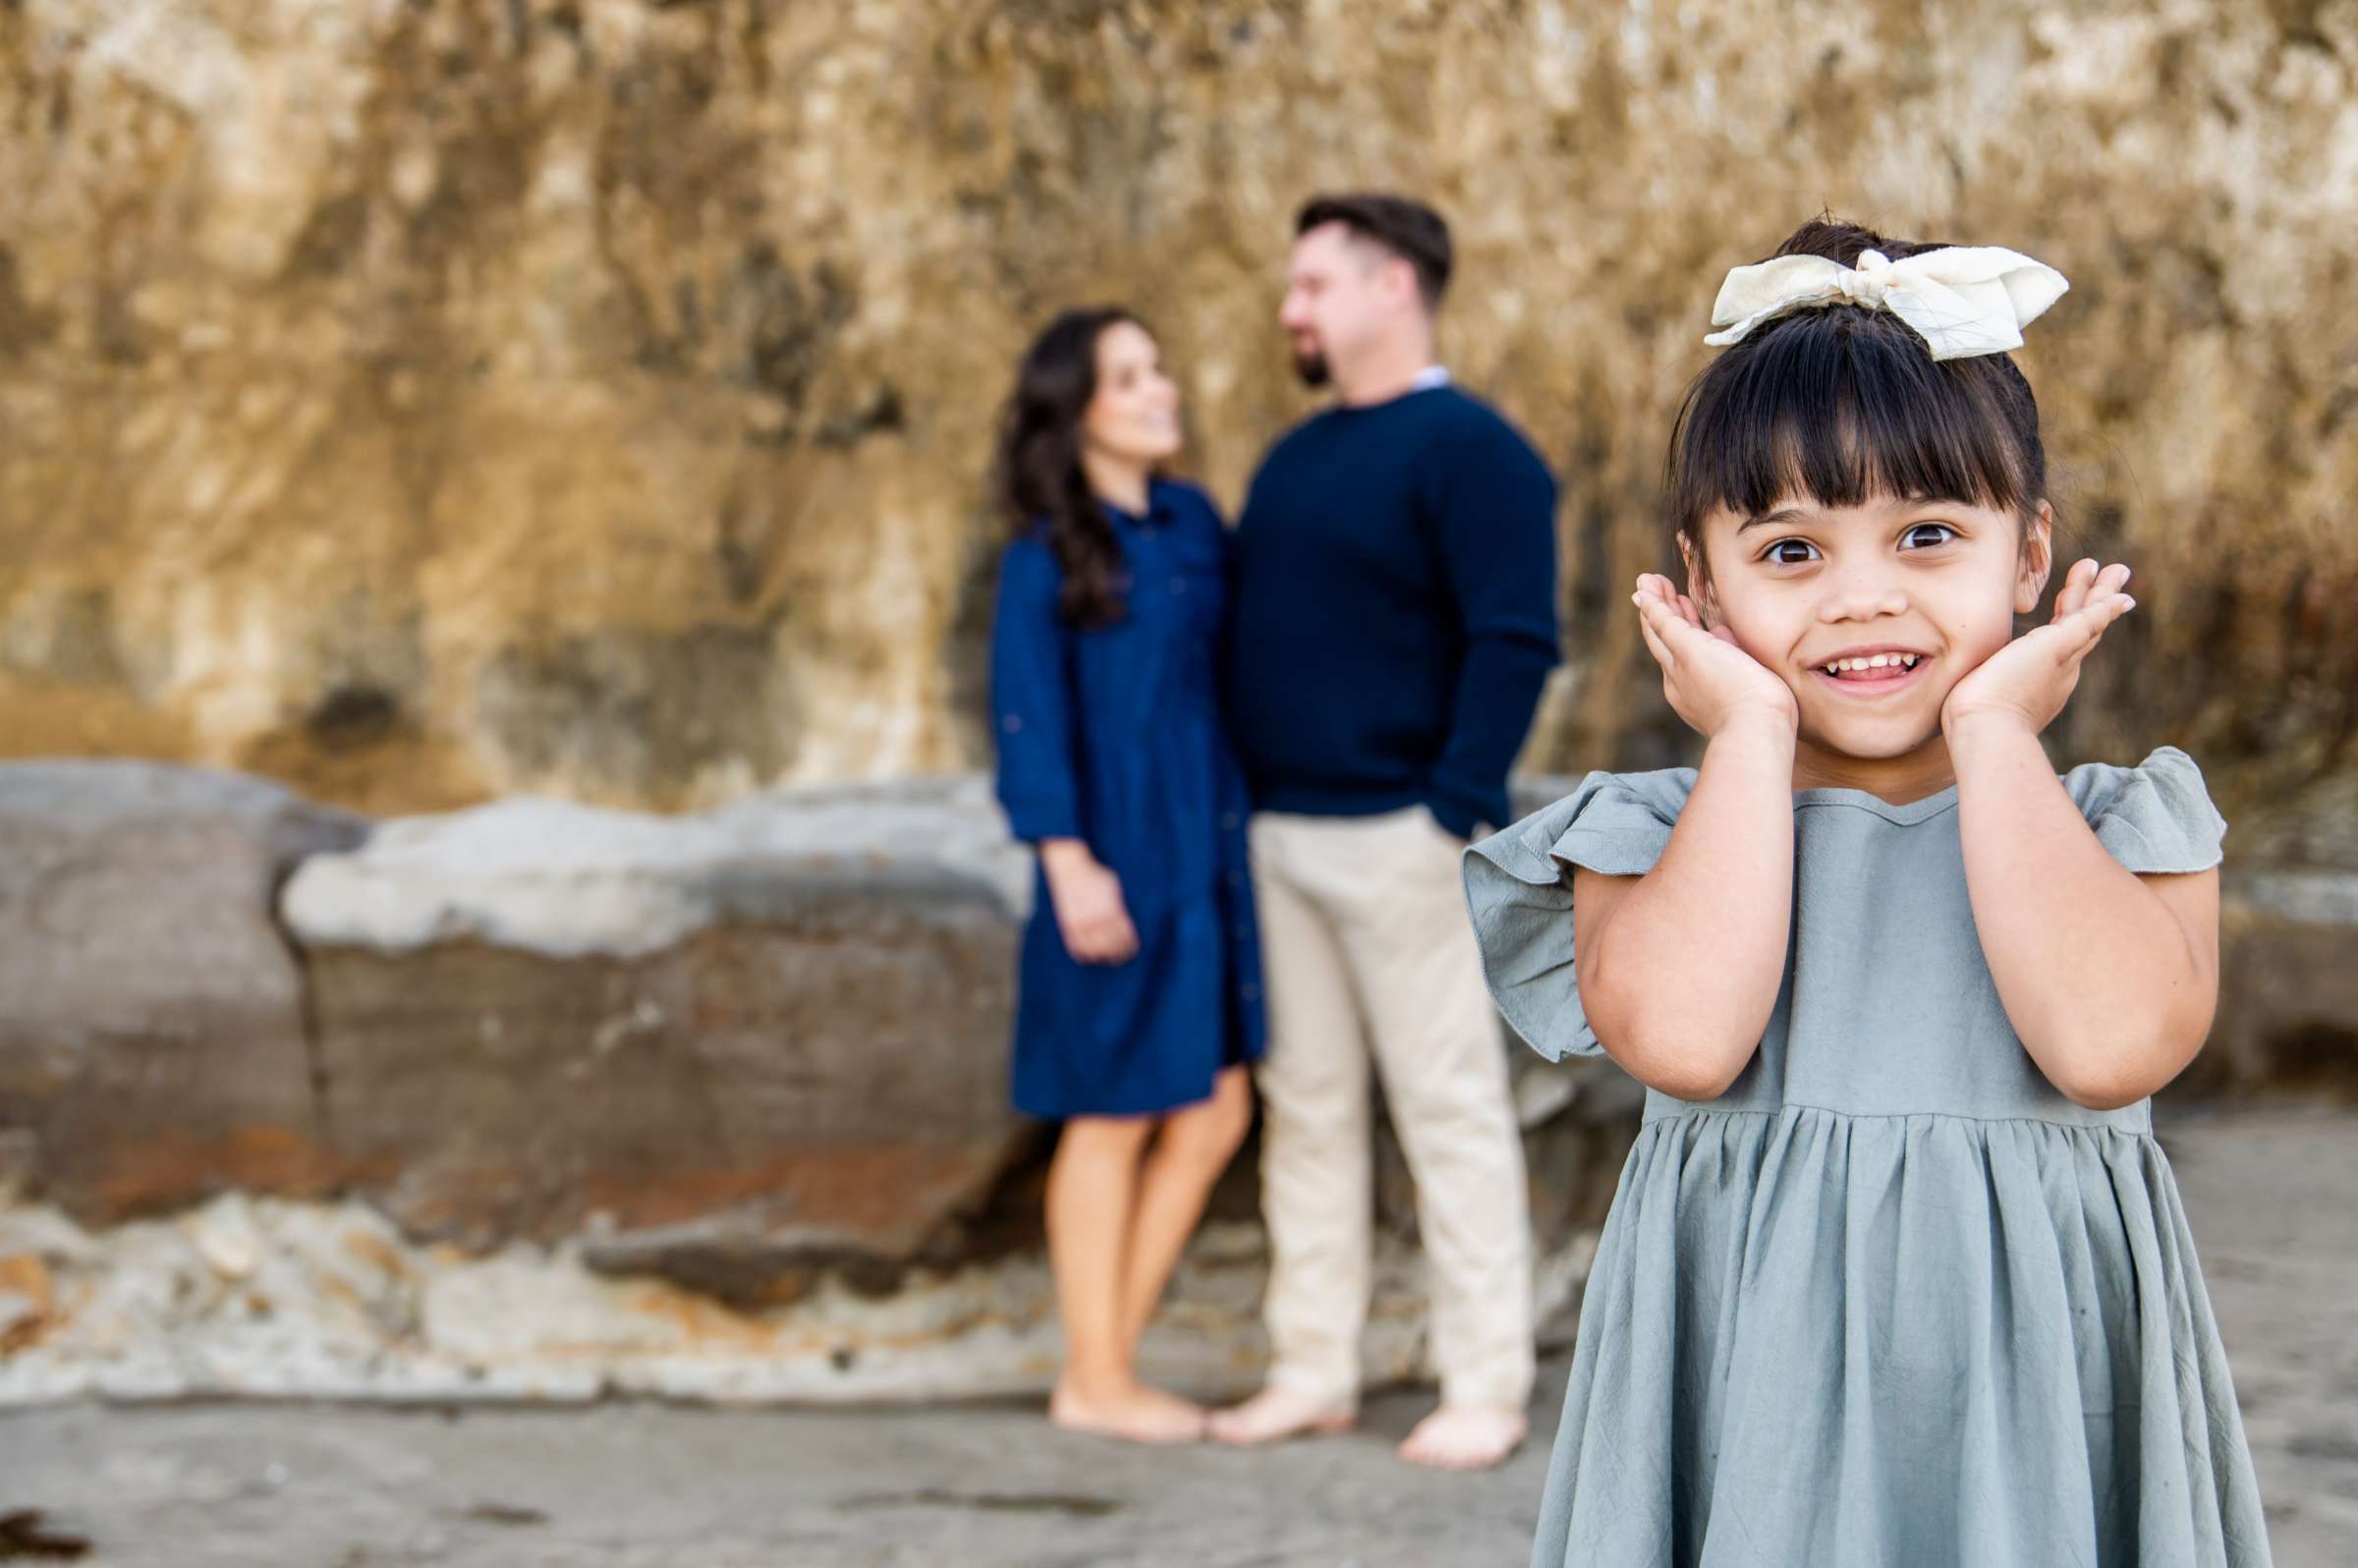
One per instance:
(2288, 986)
(723, 1047)
(152, 1045)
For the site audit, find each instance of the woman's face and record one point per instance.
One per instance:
(1134, 417)
(1917, 592)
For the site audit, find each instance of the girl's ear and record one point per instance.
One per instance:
(1699, 577)
(2036, 560)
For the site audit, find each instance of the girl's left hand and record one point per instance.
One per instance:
(2031, 678)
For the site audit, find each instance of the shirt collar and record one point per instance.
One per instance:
(1430, 376)
(1159, 506)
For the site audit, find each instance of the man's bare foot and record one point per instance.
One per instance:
(1133, 1413)
(1277, 1413)
(1465, 1437)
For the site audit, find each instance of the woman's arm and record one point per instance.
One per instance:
(2110, 978)
(1039, 781)
(1032, 701)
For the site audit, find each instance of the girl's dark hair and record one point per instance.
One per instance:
(1842, 403)
(1037, 475)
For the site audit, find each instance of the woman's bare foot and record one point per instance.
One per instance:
(1465, 1437)
(1277, 1413)
(1133, 1413)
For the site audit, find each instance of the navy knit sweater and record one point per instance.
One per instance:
(1394, 611)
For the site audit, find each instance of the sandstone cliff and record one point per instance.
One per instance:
(422, 402)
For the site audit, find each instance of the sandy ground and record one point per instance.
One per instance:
(2273, 1196)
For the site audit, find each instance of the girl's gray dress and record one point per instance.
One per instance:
(1891, 1299)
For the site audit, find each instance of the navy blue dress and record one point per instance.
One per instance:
(1114, 736)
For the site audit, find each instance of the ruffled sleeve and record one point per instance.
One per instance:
(2154, 817)
(1519, 893)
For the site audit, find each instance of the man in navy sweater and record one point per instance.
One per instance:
(1393, 622)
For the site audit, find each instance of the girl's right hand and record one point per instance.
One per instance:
(1090, 915)
(1710, 681)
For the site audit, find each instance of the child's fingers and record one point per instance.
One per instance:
(1655, 617)
(2074, 593)
(2104, 585)
(1653, 638)
(2063, 640)
(1672, 627)
(2088, 625)
(2107, 605)
(1652, 603)
(2068, 597)
(2090, 584)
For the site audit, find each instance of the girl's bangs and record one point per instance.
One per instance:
(1832, 406)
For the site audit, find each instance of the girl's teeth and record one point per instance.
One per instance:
(1877, 661)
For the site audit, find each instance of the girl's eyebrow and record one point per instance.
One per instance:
(1789, 516)
(1780, 517)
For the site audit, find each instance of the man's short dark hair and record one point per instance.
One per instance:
(1407, 228)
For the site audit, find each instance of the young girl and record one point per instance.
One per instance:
(1896, 1274)
(1138, 1005)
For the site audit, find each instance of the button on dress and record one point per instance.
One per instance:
(1114, 736)
(1891, 1299)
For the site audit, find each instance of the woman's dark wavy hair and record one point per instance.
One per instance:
(1842, 403)
(1038, 477)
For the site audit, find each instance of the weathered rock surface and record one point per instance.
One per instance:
(711, 1105)
(2288, 986)
(703, 1107)
(985, 1484)
(720, 1044)
(739, 1051)
(275, 1298)
(152, 1046)
(436, 401)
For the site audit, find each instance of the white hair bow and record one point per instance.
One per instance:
(1962, 300)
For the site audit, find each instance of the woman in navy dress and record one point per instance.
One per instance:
(1139, 998)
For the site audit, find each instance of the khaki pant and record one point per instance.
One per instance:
(1366, 943)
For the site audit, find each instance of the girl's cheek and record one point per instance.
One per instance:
(1977, 629)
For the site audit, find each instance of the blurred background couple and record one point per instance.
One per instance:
(1249, 759)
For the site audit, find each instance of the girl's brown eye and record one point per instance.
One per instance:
(1924, 535)
(1792, 552)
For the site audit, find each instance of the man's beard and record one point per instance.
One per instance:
(1312, 367)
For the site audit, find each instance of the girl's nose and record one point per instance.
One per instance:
(1860, 597)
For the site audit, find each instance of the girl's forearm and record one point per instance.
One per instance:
(2104, 981)
(1681, 976)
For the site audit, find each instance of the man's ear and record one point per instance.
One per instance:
(2037, 561)
(1400, 274)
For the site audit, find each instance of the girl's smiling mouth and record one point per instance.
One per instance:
(1871, 671)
